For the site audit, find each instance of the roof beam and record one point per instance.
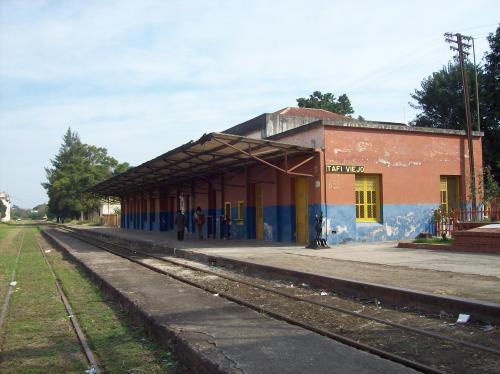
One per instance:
(263, 161)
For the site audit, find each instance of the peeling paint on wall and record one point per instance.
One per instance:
(407, 164)
(268, 231)
(399, 221)
(341, 229)
(341, 150)
(363, 146)
(383, 161)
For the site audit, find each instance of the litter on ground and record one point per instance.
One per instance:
(463, 318)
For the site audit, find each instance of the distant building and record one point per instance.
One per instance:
(109, 208)
(4, 197)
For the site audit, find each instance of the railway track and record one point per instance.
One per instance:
(93, 368)
(423, 350)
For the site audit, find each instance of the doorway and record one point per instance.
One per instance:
(301, 210)
(259, 213)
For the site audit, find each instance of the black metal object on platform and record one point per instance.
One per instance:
(319, 241)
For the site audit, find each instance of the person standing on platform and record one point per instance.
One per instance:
(199, 218)
(227, 229)
(222, 227)
(180, 223)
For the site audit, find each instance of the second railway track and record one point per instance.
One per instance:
(423, 350)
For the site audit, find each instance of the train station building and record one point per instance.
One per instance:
(273, 174)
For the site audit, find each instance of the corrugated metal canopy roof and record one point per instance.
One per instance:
(213, 153)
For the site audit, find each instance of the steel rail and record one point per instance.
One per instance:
(340, 338)
(6, 300)
(94, 367)
(301, 299)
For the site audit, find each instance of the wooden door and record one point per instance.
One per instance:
(259, 213)
(301, 208)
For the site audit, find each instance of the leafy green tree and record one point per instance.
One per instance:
(488, 185)
(3, 209)
(75, 168)
(327, 101)
(441, 99)
(441, 102)
(18, 212)
(38, 212)
(490, 108)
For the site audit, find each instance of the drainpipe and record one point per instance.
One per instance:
(323, 172)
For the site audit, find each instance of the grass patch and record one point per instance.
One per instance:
(37, 335)
(434, 240)
(94, 222)
(120, 345)
(10, 240)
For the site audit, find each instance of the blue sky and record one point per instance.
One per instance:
(141, 77)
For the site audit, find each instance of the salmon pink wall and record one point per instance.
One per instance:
(410, 163)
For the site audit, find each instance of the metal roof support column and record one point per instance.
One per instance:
(148, 211)
(177, 198)
(248, 199)
(279, 221)
(222, 198)
(157, 208)
(193, 194)
(211, 210)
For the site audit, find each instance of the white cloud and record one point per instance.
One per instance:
(140, 77)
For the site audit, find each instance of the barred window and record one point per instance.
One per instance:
(367, 198)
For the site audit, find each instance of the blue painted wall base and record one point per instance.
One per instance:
(399, 221)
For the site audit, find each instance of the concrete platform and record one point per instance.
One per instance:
(429, 281)
(380, 253)
(213, 334)
(468, 275)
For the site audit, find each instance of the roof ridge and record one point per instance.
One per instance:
(288, 108)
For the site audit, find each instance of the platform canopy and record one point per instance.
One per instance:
(212, 154)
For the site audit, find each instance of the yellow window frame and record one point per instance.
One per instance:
(449, 191)
(443, 192)
(367, 198)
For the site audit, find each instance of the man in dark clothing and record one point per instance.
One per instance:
(227, 229)
(222, 227)
(180, 223)
(199, 218)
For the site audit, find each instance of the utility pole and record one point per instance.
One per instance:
(456, 39)
(477, 87)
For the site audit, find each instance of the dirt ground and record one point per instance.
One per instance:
(449, 283)
(467, 275)
(443, 355)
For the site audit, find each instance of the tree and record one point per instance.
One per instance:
(75, 168)
(18, 212)
(327, 101)
(490, 108)
(441, 102)
(441, 99)
(3, 209)
(488, 186)
(38, 212)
